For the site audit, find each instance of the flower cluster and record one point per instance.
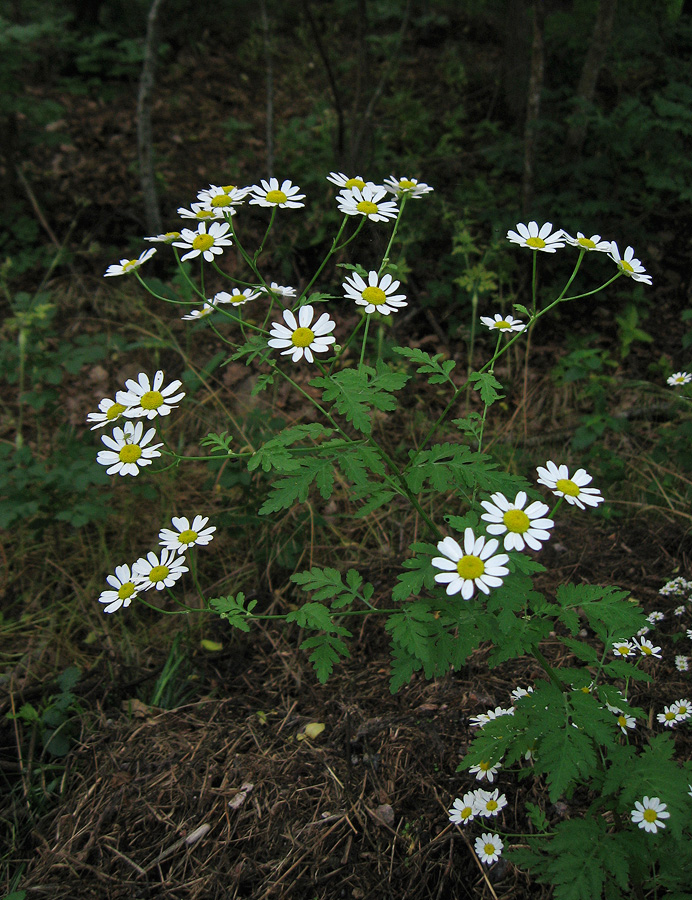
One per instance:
(483, 804)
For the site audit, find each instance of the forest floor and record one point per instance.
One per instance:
(223, 795)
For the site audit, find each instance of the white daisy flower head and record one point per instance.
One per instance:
(679, 610)
(521, 525)
(677, 586)
(367, 201)
(209, 307)
(128, 451)
(628, 265)
(669, 717)
(682, 663)
(536, 238)
(343, 181)
(488, 848)
(489, 803)
(202, 212)
(472, 567)
(222, 197)
(655, 616)
(205, 242)
(520, 692)
(588, 243)
(159, 572)
(411, 187)
(185, 534)
(377, 295)
(646, 648)
(463, 810)
(643, 630)
(166, 238)
(649, 813)
(683, 709)
(123, 590)
(483, 718)
(269, 193)
(679, 378)
(237, 297)
(503, 323)
(302, 337)
(623, 649)
(126, 266)
(285, 291)
(625, 721)
(144, 399)
(109, 411)
(573, 489)
(485, 770)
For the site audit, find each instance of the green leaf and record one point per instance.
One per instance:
(219, 443)
(403, 667)
(275, 453)
(421, 572)
(326, 652)
(327, 583)
(234, 610)
(428, 365)
(69, 678)
(312, 615)
(605, 609)
(488, 386)
(355, 391)
(285, 492)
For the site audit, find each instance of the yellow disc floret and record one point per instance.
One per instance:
(302, 337)
(535, 243)
(567, 487)
(188, 536)
(151, 400)
(130, 453)
(586, 243)
(158, 573)
(114, 411)
(276, 197)
(203, 242)
(517, 521)
(374, 295)
(126, 590)
(470, 567)
(367, 207)
(355, 182)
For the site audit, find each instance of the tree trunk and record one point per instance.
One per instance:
(533, 103)
(144, 132)
(593, 63)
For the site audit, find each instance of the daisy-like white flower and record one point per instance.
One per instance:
(536, 238)
(643, 630)
(201, 212)
(129, 265)
(689, 633)
(520, 692)
(367, 201)
(186, 535)
(209, 307)
(625, 721)
(483, 718)
(679, 378)
(142, 398)
(649, 813)
(474, 566)
(109, 411)
(573, 489)
(287, 196)
(628, 265)
(655, 616)
(520, 526)
(166, 238)
(678, 586)
(623, 649)
(409, 186)
(503, 323)
(584, 243)
(287, 292)
(209, 243)
(463, 810)
(159, 572)
(302, 337)
(128, 450)
(682, 663)
(236, 296)
(679, 611)
(123, 590)
(488, 847)
(683, 709)
(646, 648)
(378, 295)
(669, 716)
(223, 196)
(485, 770)
(489, 803)
(343, 181)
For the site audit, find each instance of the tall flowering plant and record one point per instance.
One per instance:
(469, 580)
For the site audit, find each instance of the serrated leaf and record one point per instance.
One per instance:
(487, 385)
(285, 492)
(312, 615)
(326, 652)
(355, 391)
(428, 365)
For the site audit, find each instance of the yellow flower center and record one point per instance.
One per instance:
(203, 242)
(406, 185)
(650, 815)
(188, 536)
(567, 487)
(276, 197)
(126, 590)
(374, 295)
(517, 521)
(355, 182)
(669, 716)
(622, 721)
(503, 324)
(626, 267)
(204, 214)
(221, 200)
(586, 243)
(158, 573)
(682, 710)
(470, 567)
(484, 766)
(228, 188)
(151, 400)
(623, 650)
(491, 805)
(238, 298)
(489, 849)
(130, 264)
(130, 453)
(466, 812)
(366, 207)
(172, 235)
(535, 243)
(302, 337)
(114, 411)
(646, 650)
